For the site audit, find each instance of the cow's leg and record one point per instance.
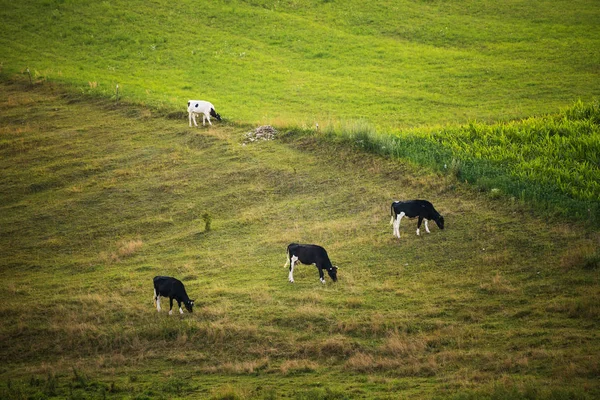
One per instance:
(293, 260)
(397, 224)
(321, 276)
(171, 305)
(207, 118)
(179, 304)
(154, 297)
(426, 227)
(419, 225)
(158, 303)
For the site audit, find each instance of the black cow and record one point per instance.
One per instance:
(414, 208)
(310, 254)
(173, 289)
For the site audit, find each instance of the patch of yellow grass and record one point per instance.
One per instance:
(498, 285)
(125, 248)
(296, 366)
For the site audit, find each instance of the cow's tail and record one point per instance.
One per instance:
(287, 260)
(393, 214)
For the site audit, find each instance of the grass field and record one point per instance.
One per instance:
(97, 199)
(395, 64)
(488, 109)
(551, 162)
(493, 91)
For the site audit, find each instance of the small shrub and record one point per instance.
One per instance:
(207, 221)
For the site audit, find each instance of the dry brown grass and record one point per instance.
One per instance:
(583, 256)
(294, 366)
(367, 363)
(498, 285)
(402, 345)
(239, 367)
(125, 249)
(336, 346)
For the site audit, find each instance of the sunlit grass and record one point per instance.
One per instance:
(395, 64)
(95, 207)
(550, 161)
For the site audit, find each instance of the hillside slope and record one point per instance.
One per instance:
(393, 63)
(97, 198)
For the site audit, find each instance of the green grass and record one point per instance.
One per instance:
(550, 162)
(480, 88)
(98, 194)
(395, 64)
(96, 199)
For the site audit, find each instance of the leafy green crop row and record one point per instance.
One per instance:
(553, 161)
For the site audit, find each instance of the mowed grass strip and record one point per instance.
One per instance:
(97, 199)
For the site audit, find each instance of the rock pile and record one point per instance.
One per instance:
(266, 132)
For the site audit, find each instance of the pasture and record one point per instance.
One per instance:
(97, 199)
(487, 109)
(394, 64)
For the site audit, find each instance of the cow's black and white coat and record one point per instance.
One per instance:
(422, 209)
(173, 289)
(310, 254)
(201, 107)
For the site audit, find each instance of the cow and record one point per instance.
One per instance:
(310, 254)
(411, 209)
(201, 107)
(173, 289)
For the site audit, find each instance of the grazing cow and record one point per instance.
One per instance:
(201, 107)
(414, 208)
(310, 254)
(173, 289)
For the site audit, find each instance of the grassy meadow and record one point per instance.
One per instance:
(97, 199)
(488, 109)
(394, 64)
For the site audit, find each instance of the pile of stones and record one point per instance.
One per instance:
(266, 132)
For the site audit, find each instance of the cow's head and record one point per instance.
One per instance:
(215, 114)
(440, 222)
(333, 273)
(189, 305)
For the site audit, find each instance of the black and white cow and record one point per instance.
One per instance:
(414, 208)
(173, 289)
(201, 107)
(310, 254)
